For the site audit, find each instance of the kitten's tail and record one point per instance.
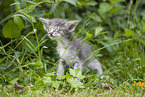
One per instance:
(96, 65)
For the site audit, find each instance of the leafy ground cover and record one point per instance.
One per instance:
(28, 58)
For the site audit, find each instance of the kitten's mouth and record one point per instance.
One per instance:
(53, 36)
(50, 33)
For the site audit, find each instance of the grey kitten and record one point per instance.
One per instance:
(61, 30)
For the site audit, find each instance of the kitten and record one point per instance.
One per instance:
(61, 30)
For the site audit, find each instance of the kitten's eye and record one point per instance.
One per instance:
(57, 25)
(63, 33)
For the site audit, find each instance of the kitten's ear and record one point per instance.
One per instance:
(71, 25)
(45, 22)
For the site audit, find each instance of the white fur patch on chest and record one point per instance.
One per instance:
(65, 54)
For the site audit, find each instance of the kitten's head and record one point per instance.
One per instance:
(58, 28)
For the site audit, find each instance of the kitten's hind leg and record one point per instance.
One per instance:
(95, 65)
(61, 67)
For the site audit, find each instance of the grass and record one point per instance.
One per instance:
(121, 91)
(124, 68)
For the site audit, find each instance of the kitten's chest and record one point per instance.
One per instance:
(65, 53)
(61, 50)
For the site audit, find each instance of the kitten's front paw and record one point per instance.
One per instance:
(78, 79)
(102, 77)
